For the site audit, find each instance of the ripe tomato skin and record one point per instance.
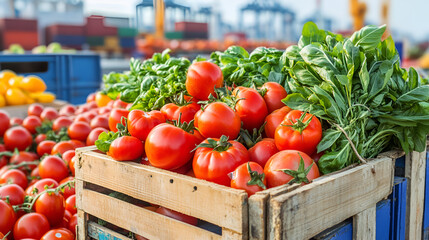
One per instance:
(241, 176)
(274, 95)
(58, 234)
(251, 109)
(49, 114)
(177, 215)
(68, 191)
(72, 224)
(35, 109)
(40, 185)
(52, 206)
(214, 166)
(15, 176)
(61, 122)
(169, 147)
(217, 119)
(45, 147)
(172, 111)
(287, 138)
(115, 117)
(15, 121)
(72, 165)
(93, 135)
(31, 225)
(71, 204)
(62, 147)
(4, 122)
(102, 99)
(17, 137)
(126, 148)
(119, 104)
(67, 110)
(8, 217)
(287, 159)
(31, 123)
(104, 110)
(68, 155)
(22, 157)
(14, 192)
(262, 151)
(40, 138)
(79, 131)
(90, 115)
(81, 118)
(90, 98)
(77, 143)
(53, 167)
(140, 123)
(202, 79)
(274, 119)
(100, 121)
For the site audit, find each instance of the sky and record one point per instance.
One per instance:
(409, 17)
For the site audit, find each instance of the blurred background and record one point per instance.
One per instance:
(118, 30)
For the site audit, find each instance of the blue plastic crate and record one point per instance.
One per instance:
(127, 42)
(69, 40)
(70, 76)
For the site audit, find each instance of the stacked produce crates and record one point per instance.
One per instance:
(72, 36)
(189, 30)
(127, 39)
(18, 31)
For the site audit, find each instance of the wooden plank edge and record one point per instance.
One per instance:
(364, 224)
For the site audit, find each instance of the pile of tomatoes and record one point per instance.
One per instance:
(241, 137)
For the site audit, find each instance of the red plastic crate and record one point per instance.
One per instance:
(191, 27)
(27, 40)
(15, 24)
(62, 29)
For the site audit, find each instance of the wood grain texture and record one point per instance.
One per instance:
(99, 232)
(329, 200)
(82, 221)
(364, 224)
(415, 165)
(140, 220)
(220, 205)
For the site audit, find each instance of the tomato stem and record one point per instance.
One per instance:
(300, 175)
(250, 140)
(300, 125)
(220, 146)
(255, 177)
(7, 234)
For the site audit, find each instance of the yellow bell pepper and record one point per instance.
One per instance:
(32, 84)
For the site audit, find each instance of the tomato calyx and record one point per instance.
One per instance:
(249, 140)
(299, 175)
(256, 178)
(299, 125)
(106, 138)
(220, 146)
(180, 100)
(7, 153)
(185, 126)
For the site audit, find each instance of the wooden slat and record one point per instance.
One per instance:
(82, 219)
(415, 165)
(257, 216)
(140, 220)
(220, 205)
(99, 232)
(329, 200)
(364, 224)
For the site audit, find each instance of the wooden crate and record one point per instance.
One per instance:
(284, 212)
(21, 110)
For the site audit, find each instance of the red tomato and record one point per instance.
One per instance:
(218, 119)
(35, 109)
(17, 137)
(4, 169)
(93, 135)
(67, 110)
(169, 147)
(71, 204)
(81, 118)
(316, 156)
(72, 165)
(304, 134)
(4, 122)
(40, 138)
(8, 217)
(68, 191)
(90, 98)
(104, 110)
(52, 206)
(14, 176)
(251, 108)
(3, 238)
(115, 118)
(119, 104)
(262, 151)
(45, 147)
(68, 155)
(49, 114)
(100, 121)
(186, 112)
(15, 121)
(35, 173)
(202, 79)
(62, 147)
(249, 177)
(13, 192)
(292, 161)
(73, 223)
(126, 148)
(79, 131)
(53, 167)
(41, 184)
(61, 122)
(81, 109)
(23, 157)
(274, 95)
(91, 115)
(31, 123)
(31, 225)
(141, 123)
(214, 163)
(274, 119)
(178, 216)
(58, 234)
(67, 215)
(77, 143)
